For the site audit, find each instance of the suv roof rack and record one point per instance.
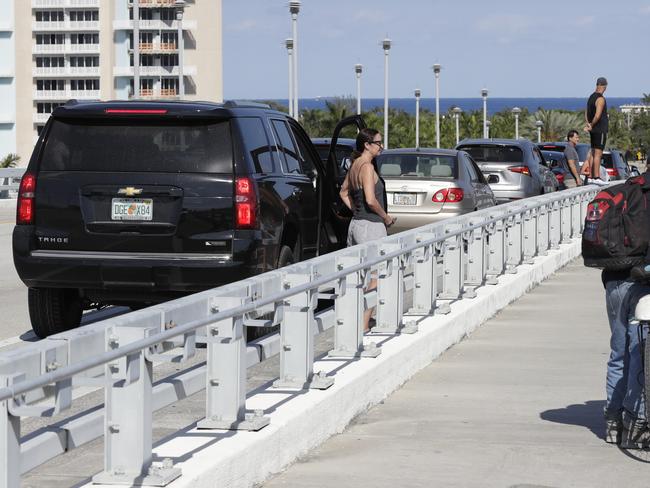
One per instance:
(244, 103)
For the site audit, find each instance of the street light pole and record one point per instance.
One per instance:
(358, 69)
(436, 71)
(417, 117)
(457, 112)
(487, 129)
(180, 7)
(289, 45)
(484, 94)
(516, 111)
(136, 48)
(294, 9)
(539, 124)
(386, 47)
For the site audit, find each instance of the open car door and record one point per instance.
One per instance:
(336, 216)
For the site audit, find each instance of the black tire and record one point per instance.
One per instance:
(54, 310)
(285, 258)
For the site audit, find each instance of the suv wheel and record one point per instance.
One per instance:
(54, 310)
(285, 258)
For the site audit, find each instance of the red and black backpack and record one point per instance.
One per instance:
(617, 226)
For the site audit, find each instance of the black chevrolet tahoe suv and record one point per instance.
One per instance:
(135, 203)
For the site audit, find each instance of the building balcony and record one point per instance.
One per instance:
(188, 70)
(65, 48)
(155, 24)
(41, 118)
(158, 47)
(6, 26)
(7, 119)
(65, 3)
(64, 26)
(65, 94)
(92, 71)
(150, 93)
(154, 3)
(87, 94)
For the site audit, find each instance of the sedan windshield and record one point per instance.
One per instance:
(417, 166)
(494, 154)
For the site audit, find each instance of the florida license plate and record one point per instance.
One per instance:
(132, 209)
(404, 199)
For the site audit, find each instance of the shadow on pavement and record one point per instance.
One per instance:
(588, 414)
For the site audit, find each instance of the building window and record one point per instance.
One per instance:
(84, 38)
(84, 61)
(168, 14)
(46, 108)
(50, 85)
(169, 40)
(49, 16)
(145, 14)
(80, 85)
(84, 15)
(50, 62)
(169, 60)
(49, 39)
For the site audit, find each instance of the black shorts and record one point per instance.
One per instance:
(598, 140)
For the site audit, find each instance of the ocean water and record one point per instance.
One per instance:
(469, 104)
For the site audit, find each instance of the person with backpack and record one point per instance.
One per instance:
(615, 238)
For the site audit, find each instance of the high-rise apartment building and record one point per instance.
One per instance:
(56, 50)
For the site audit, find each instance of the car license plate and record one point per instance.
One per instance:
(404, 199)
(132, 209)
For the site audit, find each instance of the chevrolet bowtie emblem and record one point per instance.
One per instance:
(129, 191)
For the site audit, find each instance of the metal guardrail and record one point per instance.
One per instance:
(10, 180)
(439, 263)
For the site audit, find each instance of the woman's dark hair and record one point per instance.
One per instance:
(364, 136)
(571, 133)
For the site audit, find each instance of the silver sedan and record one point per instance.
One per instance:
(427, 185)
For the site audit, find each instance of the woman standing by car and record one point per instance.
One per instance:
(363, 192)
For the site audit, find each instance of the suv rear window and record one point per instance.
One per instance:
(494, 154)
(417, 166)
(607, 160)
(163, 146)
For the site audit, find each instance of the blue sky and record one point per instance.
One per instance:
(521, 48)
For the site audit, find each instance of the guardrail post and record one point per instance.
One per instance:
(530, 235)
(349, 307)
(584, 203)
(565, 215)
(127, 418)
(390, 294)
(555, 223)
(9, 443)
(297, 338)
(576, 216)
(543, 230)
(514, 233)
(497, 251)
(424, 277)
(476, 259)
(225, 390)
(453, 267)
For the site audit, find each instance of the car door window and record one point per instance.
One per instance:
(286, 146)
(477, 170)
(306, 154)
(257, 144)
(473, 177)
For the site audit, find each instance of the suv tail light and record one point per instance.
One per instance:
(25, 204)
(524, 170)
(245, 204)
(560, 177)
(612, 172)
(448, 195)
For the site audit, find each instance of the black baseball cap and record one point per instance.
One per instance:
(602, 81)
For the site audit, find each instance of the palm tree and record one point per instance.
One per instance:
(9, 161)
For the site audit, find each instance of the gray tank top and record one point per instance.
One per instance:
(360, 209)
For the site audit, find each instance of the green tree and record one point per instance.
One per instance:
(9, 161)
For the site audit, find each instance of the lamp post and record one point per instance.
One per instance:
(457, 111)
(539, 124)
(487, 129)
(294, 9)
(417, 117)
(136, 48)
(516, 111)
(289, 45)
(385, 44)
(180, 8)
(358, 69)
(484, 94)
(436, 71)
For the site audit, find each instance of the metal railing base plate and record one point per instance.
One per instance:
(317, 382)
(367, 351)
(252, 424)
(158, 476)
(442, 307)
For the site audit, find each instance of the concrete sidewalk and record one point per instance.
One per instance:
(517, 404)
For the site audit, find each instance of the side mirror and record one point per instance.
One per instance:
(492, 179)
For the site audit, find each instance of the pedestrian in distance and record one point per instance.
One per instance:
(572, 159)
(363, 191)
(597, 124)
